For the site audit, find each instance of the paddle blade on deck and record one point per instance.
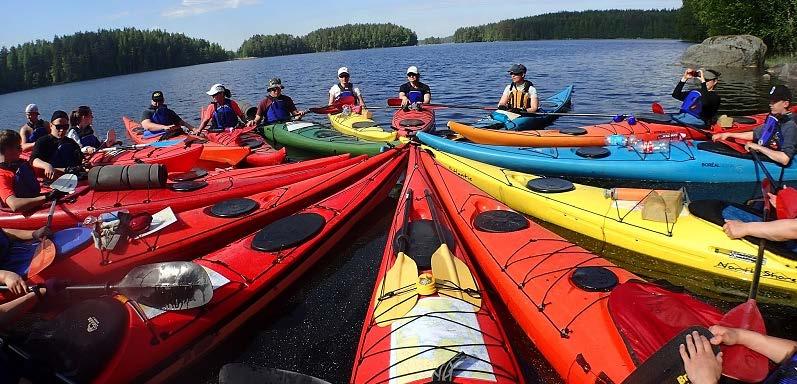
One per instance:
(397, 295)
(740, 362)
(170, 286)
(454, 278)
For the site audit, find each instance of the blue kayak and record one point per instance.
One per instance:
(705, 162)
(558, 103)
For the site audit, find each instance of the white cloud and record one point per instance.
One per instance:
(196, 7)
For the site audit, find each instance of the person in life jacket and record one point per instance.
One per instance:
(345, 88)
(413, 91)
(777, 138)
(222, 112)
(158, 118)
(19, 188)
(520, 95)
(699, 106)
(34, 128)
(55, 153)
(276, 107)
(703, 367)
(83, 133)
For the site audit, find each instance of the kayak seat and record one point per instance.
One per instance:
(411, 123)
(593, 152)
(288, 232)
(196, 173)
(188, 186)
(362, 124)
(744, 120)
(424, 242)
(252, 143)
(500, 221)
(711, 211)
(594, 279)
(80, 341)
(573, 131)
(550, 185)
(657, 118)
(325, 134)
(233, 207)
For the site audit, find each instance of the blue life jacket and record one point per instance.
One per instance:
(277, 111)
(162, 116)
(38, 131)
(67, 155)
(693, 104)
(771, 135)
(347, 91)
(415, 96)
(87, 137)
(25, 182)
(5, 248)
(224, 115)
(785, 374)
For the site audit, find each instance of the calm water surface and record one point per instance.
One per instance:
(314, 329)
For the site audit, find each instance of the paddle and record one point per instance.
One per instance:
(396, 102)
(394, 302)
(335, 107)
(739, 362)
(666, 366)
(451, 273)
(657, 108)
(44, 254)
(236, 373)
(170, 286)
(156, 144)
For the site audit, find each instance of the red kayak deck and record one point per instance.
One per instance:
(246, 278)
(215, 186)
(176, 158)
(411, 121)
(407, 335)
(262, 153)
(561, 294)
(211, 152)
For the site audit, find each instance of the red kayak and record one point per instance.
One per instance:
(202, 229)
(429, 310)
(411, 121)
(592, 320)
(179, 195)
(211, 152)
(176, 158)
(262, 153)
(150, 345)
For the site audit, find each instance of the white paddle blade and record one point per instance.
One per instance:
(66, 183)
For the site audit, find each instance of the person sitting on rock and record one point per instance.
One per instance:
(699, 106)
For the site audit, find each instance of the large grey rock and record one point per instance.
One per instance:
(727, 51)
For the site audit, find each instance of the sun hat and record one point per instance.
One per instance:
(216, 88)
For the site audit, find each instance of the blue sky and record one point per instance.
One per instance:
(230, 22)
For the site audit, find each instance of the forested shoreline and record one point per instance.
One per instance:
(90, 55)
(342, 38)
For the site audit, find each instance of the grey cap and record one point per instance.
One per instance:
(32, 108)
(517, 68)
(275, 83)
(710, 74)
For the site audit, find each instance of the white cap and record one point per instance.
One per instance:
(413, 69)
(216, 88)
(32, 108)
(342, 70)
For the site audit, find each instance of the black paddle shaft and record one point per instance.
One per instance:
(433, 211)
(762, 242)
(402, 241)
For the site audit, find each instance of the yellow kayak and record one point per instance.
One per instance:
(687, 240)
(359, 125)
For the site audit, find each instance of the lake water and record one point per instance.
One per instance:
(315, 328)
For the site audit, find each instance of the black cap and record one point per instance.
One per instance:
(157, 96)
(59, 115)
(780, 93)
(517, 68)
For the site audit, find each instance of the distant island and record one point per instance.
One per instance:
(89, 55)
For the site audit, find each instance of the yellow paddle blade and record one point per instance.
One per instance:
(454, 278)
(42, 257)
(397, 294)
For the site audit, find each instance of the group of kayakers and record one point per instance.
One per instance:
(59, 146)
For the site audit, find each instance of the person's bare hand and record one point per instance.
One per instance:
(14, 282)
(724, 335)
(702, 366)
(735, 229)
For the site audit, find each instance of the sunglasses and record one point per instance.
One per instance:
(61, 126)
(515, 74)
(342, 75)
(412, 75)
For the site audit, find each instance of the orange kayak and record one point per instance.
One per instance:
(176, 158)
(262, 154)
(212, 152)
(595, 135)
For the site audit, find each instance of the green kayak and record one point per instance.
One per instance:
(316, 138)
